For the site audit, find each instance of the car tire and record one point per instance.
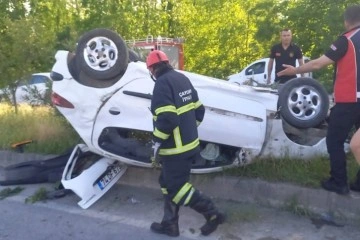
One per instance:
(303, 102)
(101, 58)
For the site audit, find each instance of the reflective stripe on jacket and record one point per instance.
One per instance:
(176, 113)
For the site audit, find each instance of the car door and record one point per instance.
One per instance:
(257, 71)
(234, 116)
(127, 109)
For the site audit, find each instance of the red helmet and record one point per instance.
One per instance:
(156, 56)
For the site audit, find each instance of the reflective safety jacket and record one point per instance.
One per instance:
(347, 79)
(177, 112)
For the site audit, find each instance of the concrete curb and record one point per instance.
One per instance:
(236, 189)
(281, 195)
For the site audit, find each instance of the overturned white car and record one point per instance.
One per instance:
(105, 92)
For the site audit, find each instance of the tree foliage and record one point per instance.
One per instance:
(221, 37)
(25, 48)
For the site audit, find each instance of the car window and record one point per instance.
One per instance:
(35, 79)
(256, 68)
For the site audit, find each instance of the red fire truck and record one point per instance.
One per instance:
(173, 47)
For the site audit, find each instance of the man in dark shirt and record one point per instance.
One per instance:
(345, 54)
(285, 52)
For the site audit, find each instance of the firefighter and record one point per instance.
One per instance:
(177, 112)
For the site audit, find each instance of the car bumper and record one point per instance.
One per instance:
(90, 176)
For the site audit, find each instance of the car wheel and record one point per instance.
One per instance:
(101, 56)
(303, 102)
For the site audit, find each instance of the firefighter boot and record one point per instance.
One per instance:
(203, 205)
(169, 224)
(355, 186)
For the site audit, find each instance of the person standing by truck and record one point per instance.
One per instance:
(285, 52)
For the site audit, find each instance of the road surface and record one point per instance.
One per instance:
(126, 212)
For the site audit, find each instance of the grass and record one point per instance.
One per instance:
(51, 133)
(39, 195)
(302, 172)
(8, 192)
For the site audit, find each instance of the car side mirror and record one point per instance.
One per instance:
(56, 76)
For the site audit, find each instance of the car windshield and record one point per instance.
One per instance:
(35, 79)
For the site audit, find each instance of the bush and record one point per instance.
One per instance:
(49, 131)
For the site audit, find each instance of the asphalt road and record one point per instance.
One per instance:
(24, 222)
(126, 212)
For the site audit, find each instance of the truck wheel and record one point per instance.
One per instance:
(101, 56)
(303, 102)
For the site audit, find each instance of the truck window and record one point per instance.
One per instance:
(173, 47)
(142, 52)
(173, 54)
(256, 68)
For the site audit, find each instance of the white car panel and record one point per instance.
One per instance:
(88, 185)
(278, 145)
(235, 115)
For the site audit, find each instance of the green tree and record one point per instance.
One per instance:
(57, 16)
(221, 37)
(312, 33)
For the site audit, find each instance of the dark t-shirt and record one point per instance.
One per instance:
(284, 56)
(338, 49)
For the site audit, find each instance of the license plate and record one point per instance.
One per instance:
(112, 173)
